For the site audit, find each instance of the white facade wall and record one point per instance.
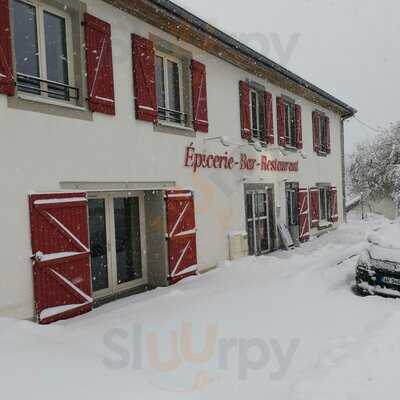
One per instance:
(39, 151)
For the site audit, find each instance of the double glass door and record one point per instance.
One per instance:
(258, 222)
(292, 211)
(116, 226)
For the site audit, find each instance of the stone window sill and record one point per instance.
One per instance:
(26, 102)
(290, 148)
(176, 129)
(44, 100)
(324, 225)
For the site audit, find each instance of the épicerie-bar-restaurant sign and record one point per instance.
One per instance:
(197, 161)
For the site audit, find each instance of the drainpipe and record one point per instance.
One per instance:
(343, 119)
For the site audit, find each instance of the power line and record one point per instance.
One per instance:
(376, 130)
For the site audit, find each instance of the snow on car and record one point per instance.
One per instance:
(378, 267)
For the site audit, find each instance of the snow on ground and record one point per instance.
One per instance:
(285, 326)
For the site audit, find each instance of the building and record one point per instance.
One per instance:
(140, 145)
(386, 207)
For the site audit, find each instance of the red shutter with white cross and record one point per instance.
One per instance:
(61, 255)
(199, 92)
(269, 118)
(100, 75)
(314, 205)
(334, 204)
(144, 79)
(303, 215)
(316, 128)
(245, 109)
(7, 82)
(328, 134)
(299, 126)
(181, 227)
(280, 106)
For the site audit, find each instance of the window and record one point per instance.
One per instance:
(323, 136)
(43, 49)
(321, 133)
(169, 89)
(257, 115)
(292, 206)
(324, 204)
(290, 124)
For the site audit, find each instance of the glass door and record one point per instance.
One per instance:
(116, 223)
(99, 245)
(292, 210)
(258, 220)
(127, 241)
(262, 222)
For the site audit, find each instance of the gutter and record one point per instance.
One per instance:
(229, 41)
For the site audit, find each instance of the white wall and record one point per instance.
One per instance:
(39, 151)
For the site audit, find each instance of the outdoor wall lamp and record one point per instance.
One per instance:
(303, 154)
(225, 141)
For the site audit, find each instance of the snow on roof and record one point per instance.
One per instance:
(228, 40)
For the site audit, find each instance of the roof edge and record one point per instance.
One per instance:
(233, 43)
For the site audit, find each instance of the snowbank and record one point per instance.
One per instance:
(285, 326)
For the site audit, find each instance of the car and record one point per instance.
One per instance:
(378, 267)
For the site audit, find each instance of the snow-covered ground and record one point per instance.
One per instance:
(285, 326)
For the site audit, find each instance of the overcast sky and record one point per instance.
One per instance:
(348, 47)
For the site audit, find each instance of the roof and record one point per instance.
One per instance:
(229, 41)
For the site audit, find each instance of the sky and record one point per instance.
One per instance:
(349, 48)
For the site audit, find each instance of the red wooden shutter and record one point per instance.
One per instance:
(328, 135)
(61, 255)
(314, 205)
(181, 225)
(334, 204)
(100, 75)
(315, 123)
(245, 109)
(280, 105)
(269, 118)
(303, 215)
(144, 78)
(199, 92)
(299, 127)
(7, 83)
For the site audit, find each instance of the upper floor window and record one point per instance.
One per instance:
(321, 133)
(169, 89)
(289, 115)
(290, 124)
(43, 50)
(257, 115)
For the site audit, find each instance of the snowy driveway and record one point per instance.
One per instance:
(286, 326)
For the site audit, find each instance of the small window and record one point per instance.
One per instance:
(324, 204)
(323, 135)
(290, 124)
(43, 49)
(257, 115)
(169, 89)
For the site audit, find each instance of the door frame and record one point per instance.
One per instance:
(268, 190)
(294, 230)
(114, 288)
